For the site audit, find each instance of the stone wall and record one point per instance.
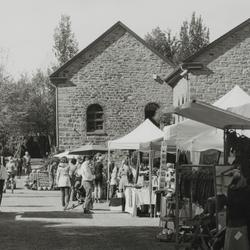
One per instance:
(226, 64)
(118, 75)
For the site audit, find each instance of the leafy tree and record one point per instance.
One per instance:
(192, 37)
(65, 44)
(27, 109)
(164, 42)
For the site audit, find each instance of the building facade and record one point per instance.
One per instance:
(108, 89)
(214, 70)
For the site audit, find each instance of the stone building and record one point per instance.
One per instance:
(108, 89)
(214, 70)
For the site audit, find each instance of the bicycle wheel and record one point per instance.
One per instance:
(12, 187)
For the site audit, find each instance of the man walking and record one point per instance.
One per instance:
(87, 182)
(3, 178)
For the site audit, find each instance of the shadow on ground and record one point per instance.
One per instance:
(29, 235)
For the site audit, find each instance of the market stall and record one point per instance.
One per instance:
(145, 138)
(191, 232)
(197, 137)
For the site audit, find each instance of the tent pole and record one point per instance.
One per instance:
(225, 146)
(108, 180)
(137, 167)
(150, 183)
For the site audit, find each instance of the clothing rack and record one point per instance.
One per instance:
(179, 169)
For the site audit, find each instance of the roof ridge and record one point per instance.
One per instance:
(118, 23)
(212, 44)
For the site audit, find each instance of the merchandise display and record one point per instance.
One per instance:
(217, 192)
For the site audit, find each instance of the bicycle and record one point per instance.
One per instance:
(11, 183)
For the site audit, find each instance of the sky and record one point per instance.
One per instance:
(27, 26)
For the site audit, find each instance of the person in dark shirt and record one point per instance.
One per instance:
(98, 178)
(237, 214)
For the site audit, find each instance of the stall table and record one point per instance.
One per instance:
(136, 197)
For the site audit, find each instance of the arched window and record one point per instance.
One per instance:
(150, 112)
(94, 118)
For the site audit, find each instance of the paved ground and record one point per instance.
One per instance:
(35, 220)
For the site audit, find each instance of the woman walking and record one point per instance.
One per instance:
(63, 181)
(114, 179)
(98, 171)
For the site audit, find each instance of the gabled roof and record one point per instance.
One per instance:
(175, 76)
(110, 30)
(179, 72)
(218, 40)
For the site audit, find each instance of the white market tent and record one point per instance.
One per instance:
(145, 137)
(66, 154)
(87, 149)
(197, 137)
(213, 116)
(241, 110)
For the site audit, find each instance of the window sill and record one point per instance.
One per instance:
(99, 133)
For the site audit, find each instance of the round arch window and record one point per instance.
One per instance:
(94, 118)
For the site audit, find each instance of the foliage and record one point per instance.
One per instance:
(65, 44)
(164, 42)
(193, 36)
(27, 109)
(27, 105)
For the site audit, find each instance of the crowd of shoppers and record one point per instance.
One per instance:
(80, 179)
(121, 176)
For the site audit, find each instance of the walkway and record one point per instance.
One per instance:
(34, 220)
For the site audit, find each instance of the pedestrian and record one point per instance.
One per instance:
(3, 179)
(52, 169)
(87, 182)
(72, 169)
(78, 193)
(63, 181)
(98, 182)
(124, 173)
(27, 163)
(19, 167)
(114, 179)
(11, 167)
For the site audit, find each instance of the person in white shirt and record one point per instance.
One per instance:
(3, 178)
(87, 183)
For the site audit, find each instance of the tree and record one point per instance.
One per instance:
(27, 109)
(193, 36)
(164, 42)
(65, 44)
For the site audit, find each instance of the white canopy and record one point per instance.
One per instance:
(194, 136)
(241, 110)
(66, 154)
(145, 137)
(213, 116)
(87, 149)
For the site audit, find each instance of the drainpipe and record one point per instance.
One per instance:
(57, 119)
